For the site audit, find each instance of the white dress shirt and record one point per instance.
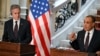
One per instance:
(18, 23)
(90, 35)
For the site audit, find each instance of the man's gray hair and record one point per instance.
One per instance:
(14, 6)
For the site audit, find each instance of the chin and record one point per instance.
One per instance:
(17, 19)
(86, 29)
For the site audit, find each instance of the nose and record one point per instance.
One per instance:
(17, 14)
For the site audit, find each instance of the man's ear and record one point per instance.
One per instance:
(94, 24)
(10, 13)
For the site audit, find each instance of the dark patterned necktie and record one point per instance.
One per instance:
(86, 42)
(15, 29)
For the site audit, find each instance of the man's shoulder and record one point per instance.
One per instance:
(8, 21)
(97, 31)
(24, 20)
(81, 31)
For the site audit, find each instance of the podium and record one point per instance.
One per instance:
(56, 52)
(60, 52)
(16, 49)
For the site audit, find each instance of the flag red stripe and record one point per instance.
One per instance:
(36, 48)
(41, 38)
(46, 25)
(33, 37)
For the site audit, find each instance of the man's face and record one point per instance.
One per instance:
(16, 13)
(88, 24)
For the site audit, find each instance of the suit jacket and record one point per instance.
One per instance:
(94, 45)
(24, 32)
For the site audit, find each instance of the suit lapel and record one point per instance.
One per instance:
(82, 40)
(20, 26)
(92, 40)
(11, 27)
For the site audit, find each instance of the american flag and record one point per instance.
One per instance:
(40, 26)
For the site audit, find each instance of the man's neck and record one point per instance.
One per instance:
(16, 19)
(91, 30)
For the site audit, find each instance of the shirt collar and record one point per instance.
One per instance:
(16, 20)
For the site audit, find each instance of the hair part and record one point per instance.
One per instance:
(92, 17)
(14, 6)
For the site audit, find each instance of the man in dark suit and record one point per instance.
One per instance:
(88, 39)
(17, 30)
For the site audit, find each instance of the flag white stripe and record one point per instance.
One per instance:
(36, 36)
(44, 32)
(32, 42)
(48, 20)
